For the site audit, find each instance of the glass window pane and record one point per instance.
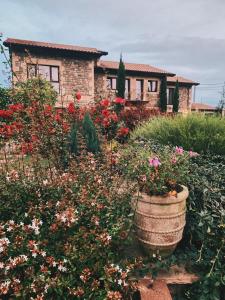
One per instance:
(55, 74)
(55, 86)
(114, 83)
(31, 70)
(44, 72)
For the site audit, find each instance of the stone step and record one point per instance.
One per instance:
(154, 290)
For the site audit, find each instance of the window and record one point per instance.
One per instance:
(50, 73)
(152, 85)
(111, 83)
(170, 94)
(139, 89)
(127, 89)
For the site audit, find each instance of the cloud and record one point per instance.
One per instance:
(186, 37)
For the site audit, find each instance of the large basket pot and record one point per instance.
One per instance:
(159, 221)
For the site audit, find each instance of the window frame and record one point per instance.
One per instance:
(170, 95)
(128, 91)
(50, 73)
(110, 79)
(142, 89)
(150, 85)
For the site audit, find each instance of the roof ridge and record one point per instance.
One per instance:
(52, 45)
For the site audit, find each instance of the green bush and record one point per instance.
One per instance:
(197, 132)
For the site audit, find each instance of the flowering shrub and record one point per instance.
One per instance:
(132, 116)
(63, 216)
(157, 173)
(61, 234)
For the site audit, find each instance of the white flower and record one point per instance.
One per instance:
(34, 254)
(45, 182)
(61, 268)
(54, 263)
(120, 282)
(43, 253)
(108, 237)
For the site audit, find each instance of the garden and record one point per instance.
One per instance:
(82, 186)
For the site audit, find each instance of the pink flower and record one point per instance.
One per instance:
(154, 162)
(173, 160)
(179, 150)
(193, 154)
(120, 101)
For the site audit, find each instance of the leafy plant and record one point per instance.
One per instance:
(198, 132)
(163, 95)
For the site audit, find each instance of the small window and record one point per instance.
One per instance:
(44, 72)
(152, 85)
(127, 89)
(31, 71)
(170, 94)
(111, 83)
(49, 73)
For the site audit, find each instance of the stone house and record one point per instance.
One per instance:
(71, 68)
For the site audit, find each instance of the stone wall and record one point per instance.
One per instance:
(185, 95)
(74, 74)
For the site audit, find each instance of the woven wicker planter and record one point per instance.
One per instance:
(159, 221)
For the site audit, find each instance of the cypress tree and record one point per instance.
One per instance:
(163, 96)
(120, 82)
(176, 98)
(90, 134)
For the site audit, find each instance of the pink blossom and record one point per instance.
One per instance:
(193, 154)
(179, 150)
(155, 162)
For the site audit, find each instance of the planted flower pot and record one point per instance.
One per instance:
(159, 221)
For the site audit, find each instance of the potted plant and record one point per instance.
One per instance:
(160, 204)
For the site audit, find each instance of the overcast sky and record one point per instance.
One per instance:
(186, 37)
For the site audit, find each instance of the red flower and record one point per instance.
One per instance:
(57, 117)
(106, 113)
(27, 148)
(123, 131)
(114, 117)
(71, 108)
(5, 114)
(120, 101)
(48, 110)
(16, 107)
(105, 122)
(78, 96)
(65, 127)
(7, 130)
(105, 102)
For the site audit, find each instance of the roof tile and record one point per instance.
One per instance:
(132, 67)
(11, 41)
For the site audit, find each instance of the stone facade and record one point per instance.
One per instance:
(74, 74)
(150, 99)
(81, 70)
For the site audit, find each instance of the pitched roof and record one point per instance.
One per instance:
(181, 80)
(132, 67)
(202, 106)
(12, 41)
